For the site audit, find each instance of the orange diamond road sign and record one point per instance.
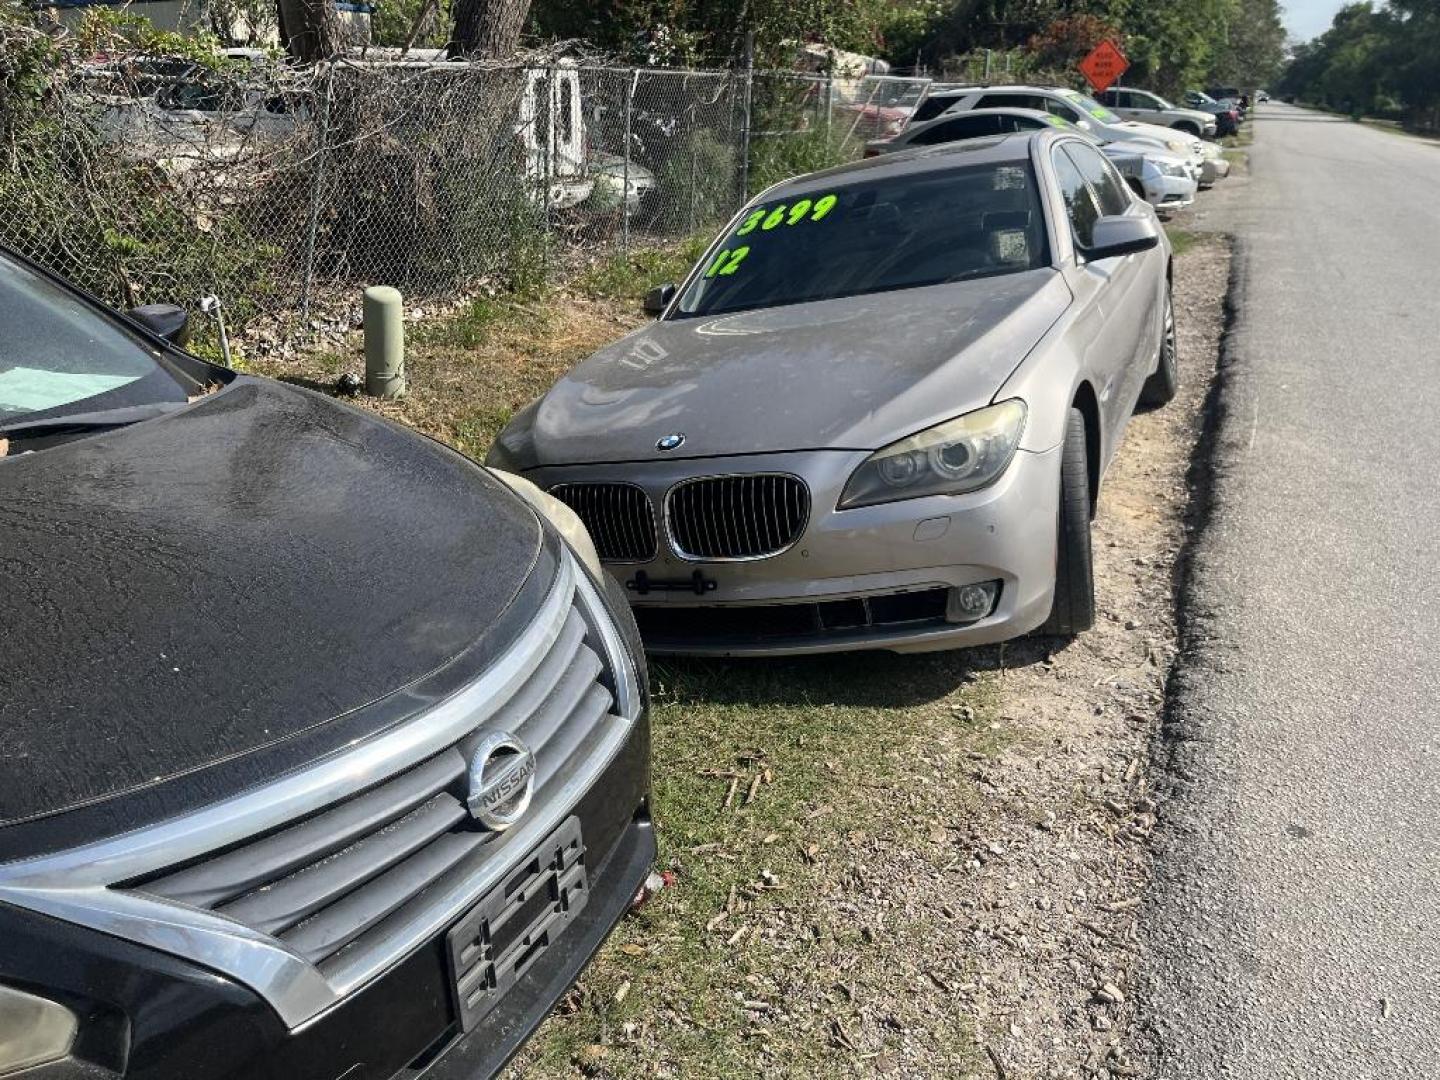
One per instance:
(1104, 65)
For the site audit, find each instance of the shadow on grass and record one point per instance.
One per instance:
(868, 679)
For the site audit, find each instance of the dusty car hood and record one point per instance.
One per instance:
(190, 589)
(853, 373)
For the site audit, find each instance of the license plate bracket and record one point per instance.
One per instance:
(512, 926)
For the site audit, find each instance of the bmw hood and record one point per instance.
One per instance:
(853, 373)
(229, 578)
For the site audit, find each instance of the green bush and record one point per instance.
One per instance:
(75, 204)
(780, 156)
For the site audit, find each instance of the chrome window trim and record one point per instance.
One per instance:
(74, 884)
(685, 556)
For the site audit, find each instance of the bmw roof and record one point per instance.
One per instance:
(994, 149)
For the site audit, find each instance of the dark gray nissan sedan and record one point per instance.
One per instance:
(321, 754)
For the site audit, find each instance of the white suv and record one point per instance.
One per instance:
(1148, 108)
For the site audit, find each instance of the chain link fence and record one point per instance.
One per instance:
(147, 179)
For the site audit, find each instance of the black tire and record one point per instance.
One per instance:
(1073, 610)
(1160, 387)
(1187, 127)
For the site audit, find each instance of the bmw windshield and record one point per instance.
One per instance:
(895, 233)
(58, 355)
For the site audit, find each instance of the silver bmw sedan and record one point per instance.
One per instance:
(878, 411)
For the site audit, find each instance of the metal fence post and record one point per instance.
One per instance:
(315, 191)
(748, 103)
(987, 65)
(631, 76)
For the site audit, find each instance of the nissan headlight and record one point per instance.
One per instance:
(33, 1030)
(960, 455)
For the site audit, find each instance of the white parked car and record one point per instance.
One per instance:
(1084, 112)
(1163, 179)
(1147, 108)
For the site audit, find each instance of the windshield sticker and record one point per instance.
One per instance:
(1057, 121)
(1009, 178)
(24, 389)
(1012, 246)
(1099, 114)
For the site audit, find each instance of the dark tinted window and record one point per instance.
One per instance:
(1109, 188)
(1011, 101)
(962, 127)
(1060, 109)
(1079, 203)
(932, 107)
(1020, 123)
(59, 356)
(895, 233)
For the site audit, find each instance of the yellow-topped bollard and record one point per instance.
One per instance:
(384, 311)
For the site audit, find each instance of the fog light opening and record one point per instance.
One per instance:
(971, 603)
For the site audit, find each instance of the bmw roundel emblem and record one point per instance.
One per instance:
(670, 442)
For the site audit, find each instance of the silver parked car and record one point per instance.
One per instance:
(1148, 108)
(1161, 178)
(877, 413)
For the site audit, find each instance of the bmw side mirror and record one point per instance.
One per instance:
(1121, 234)
(658, 299)
(163, 320)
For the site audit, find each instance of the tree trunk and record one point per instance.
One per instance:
(488, 28)
(310, 29)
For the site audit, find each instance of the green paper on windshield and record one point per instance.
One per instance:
(24, 389)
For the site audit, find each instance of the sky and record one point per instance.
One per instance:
(1306, 19)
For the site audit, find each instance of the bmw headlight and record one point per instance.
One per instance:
(33, 1030)
(960, 455)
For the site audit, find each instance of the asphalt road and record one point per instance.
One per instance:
(1294, 930)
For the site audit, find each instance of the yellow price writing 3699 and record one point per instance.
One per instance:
(772, 217)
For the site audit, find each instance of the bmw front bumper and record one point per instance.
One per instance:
(876, 577)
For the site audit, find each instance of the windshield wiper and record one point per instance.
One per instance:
(91, 421)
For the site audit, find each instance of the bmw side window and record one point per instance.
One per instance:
(1079, 202)
(1108, 187)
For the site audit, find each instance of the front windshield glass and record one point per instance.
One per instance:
(1093, 107)
(855, 238)
(58, 356)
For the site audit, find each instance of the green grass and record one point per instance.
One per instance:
(630, 277)
(1181, 240)
(474, 324)
(830, 749)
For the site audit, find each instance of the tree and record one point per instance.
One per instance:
(488, 28)
(310, 29)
